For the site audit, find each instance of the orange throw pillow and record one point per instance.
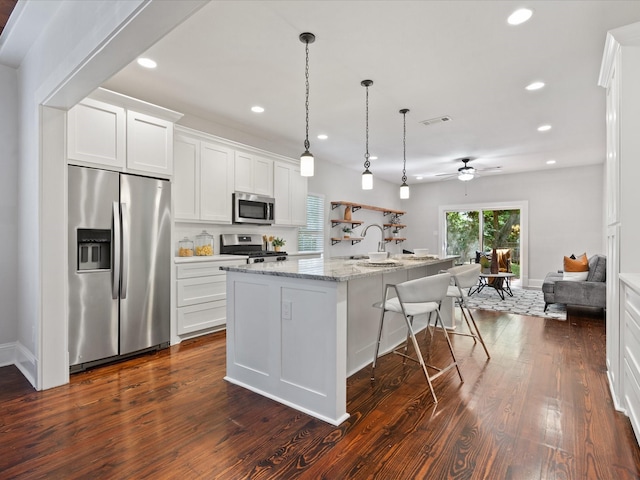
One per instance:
(576, 269)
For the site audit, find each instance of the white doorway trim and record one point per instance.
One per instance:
(522, 205)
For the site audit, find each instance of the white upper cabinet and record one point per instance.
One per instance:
(253, 174)
(149, 144)
(115, 132)
(290, 192)
(216, 182)
(203, 179)
(186, 174)
(97, 133)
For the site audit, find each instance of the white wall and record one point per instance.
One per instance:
(340, 184)
(8, 212)
(565, 211)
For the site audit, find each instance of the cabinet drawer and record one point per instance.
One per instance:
(631, 396)
(204, 269)
(192, 291)
(199, 317)
(631, 341)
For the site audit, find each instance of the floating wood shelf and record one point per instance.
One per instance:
(396, 239)
(394, 225)
(353, 223)
(357, 206)
(353, 240)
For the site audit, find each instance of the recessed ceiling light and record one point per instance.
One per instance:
(535, 86)
(419, 177)
(519, 16)
(373, 157)
(550, 162)
(147, 62)
(322, 136)
(544, 128)
(257, 109)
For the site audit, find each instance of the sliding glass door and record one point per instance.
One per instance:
(470, 231)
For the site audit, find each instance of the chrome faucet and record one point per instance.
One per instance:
(381, 243)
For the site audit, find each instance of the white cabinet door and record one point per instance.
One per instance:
(149, 144)
(282, 193)
(96, 133)
(263, 176)
(216, 182)
(253, 174)
(186, 187)
(243, 172)
(298, 198)
(290, 192)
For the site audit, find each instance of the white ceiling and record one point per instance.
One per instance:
(456, 58)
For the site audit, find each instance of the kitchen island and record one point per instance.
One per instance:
(296, 330)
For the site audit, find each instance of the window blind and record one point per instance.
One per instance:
(311, 237)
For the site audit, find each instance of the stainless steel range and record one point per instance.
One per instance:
(250, 245)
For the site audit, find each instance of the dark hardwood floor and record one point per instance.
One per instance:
(539, 409)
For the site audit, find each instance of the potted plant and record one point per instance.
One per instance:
(278, 243)
(347, 231)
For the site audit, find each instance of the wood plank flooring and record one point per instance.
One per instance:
(539, 409)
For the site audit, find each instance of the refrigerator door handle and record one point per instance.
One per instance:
(125, 250)
(116, 241)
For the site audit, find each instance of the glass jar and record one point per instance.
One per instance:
(185, 248)
(204, 244)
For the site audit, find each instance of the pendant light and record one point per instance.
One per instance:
(404, 188)
(306, 159)
(367, 176)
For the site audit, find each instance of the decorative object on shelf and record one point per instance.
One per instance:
(204, 244)
(347, 231)
(347, 213)
(367, 176)
(306, 159)
(404, 188)
(185, 247)
(278, 243)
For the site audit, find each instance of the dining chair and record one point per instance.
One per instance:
(464, 277)
(421, 296)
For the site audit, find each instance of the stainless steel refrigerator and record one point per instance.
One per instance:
(119, 265)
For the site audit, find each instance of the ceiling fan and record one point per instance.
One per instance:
(467, 172)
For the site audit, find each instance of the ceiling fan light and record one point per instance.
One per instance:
(404, 191)
(306, 164)
(367, 180)
(465, 176)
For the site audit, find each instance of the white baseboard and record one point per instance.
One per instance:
(535, 283)
(27, 364)
(7, 354)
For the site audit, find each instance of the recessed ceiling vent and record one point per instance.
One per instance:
(433, 121)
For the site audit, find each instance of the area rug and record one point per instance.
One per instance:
(523, 302)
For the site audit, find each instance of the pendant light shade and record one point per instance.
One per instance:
(367, 176)
(404, 188)
(306, 159)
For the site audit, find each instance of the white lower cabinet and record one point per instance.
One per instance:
(630, 348)
(201, 289)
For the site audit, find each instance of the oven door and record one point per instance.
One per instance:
(256, 209)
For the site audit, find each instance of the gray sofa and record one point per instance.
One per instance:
(589, 293)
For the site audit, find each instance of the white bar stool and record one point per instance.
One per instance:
(417, 297)
(465, 277)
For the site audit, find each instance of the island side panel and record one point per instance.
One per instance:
(298, 328)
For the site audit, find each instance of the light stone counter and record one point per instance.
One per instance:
(336, 269)
(296, 330)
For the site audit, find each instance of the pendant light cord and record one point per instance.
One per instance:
(404, 148)
(306, 102)
(367, 164)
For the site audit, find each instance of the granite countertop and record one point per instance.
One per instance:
(334, 269)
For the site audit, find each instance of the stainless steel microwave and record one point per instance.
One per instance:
(250, 208)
